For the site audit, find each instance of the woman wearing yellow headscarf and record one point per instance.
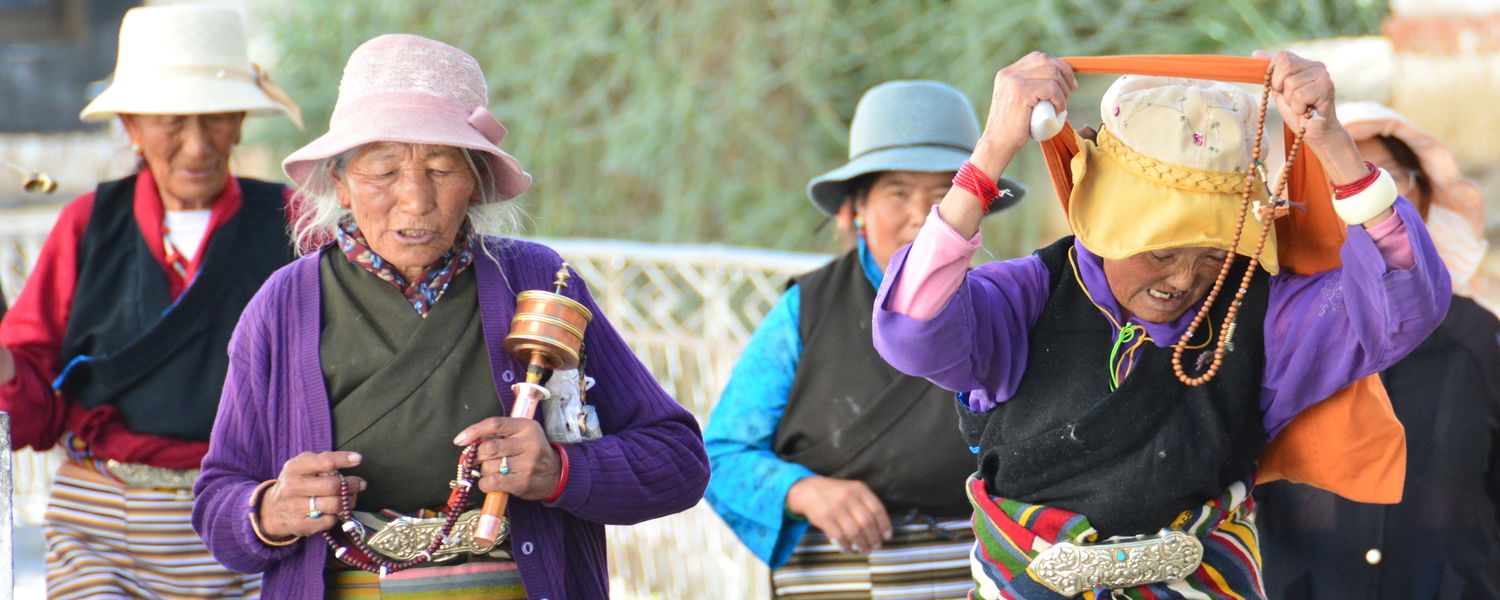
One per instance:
(1117, 411)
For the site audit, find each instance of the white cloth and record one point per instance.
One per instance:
(185, 229)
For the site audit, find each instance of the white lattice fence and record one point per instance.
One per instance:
(685, 310)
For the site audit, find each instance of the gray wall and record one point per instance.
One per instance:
(50, 50)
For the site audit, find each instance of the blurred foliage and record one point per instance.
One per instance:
(702, 121)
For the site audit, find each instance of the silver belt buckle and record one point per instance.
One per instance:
(1070, 569)
(407, 537)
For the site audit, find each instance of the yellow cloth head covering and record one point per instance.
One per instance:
(1167, 169)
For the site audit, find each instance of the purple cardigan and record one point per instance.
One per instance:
(650, 462)
(1322, 331)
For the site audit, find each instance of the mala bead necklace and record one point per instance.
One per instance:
(1279, 203)
(357, 554)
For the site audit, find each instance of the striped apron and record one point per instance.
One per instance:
(1011, 533)
(105, 540)
(471, 581)
(921, 561)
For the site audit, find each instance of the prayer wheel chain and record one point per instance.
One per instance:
(1227, 330)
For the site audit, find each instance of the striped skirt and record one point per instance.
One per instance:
(108, 541)
(921, 561)
(472, 581)
(1010, 533)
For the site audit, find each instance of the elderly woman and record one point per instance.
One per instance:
(1100, 472)
(828, 516)
(115, 348)
(361, 374)
(1443, 539)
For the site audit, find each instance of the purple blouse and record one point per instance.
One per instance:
(650, 462)
(1322, 331)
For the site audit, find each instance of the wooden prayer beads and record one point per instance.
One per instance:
(1227, 330)
(356, 553)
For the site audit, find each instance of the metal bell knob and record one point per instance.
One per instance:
(39, 182)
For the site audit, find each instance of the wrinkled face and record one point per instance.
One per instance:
(1160, 285)
(895, 208)
(188, 154)
(409, 200)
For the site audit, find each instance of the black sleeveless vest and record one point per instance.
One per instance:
(162, 363)
(852, 416)
(1132, 459)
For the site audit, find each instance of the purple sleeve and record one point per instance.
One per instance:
(977, 342)
(650, 462)
(1328, 330)
(232, 468)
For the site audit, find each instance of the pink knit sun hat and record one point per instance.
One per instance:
(406, 88)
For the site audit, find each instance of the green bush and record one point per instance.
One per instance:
(702, 121)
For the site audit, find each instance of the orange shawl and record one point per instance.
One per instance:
(1350, 443)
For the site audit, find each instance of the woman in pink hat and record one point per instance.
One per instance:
(1443, 539)
(362, 373)
(115, 348)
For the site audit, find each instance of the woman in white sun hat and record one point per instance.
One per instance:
(115, 348)
(798, 474)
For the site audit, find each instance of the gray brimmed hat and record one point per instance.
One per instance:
(907, 126)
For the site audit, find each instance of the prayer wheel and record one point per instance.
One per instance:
(550, 325)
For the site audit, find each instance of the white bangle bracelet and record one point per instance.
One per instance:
(1369, 202)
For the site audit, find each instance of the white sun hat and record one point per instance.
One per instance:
(187, 60)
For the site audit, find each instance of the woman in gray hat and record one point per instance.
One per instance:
(796, 474)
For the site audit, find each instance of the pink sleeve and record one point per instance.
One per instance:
(934, 269)
(1391, 239)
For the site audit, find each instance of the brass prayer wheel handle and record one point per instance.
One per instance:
(548, 325)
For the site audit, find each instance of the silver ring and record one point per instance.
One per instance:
(312, 508)
(505, 465)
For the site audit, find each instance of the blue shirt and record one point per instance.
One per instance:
(749, 483)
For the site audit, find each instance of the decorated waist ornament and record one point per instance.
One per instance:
(546, 333)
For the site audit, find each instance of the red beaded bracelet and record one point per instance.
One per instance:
(973, 180)
(562, 480)
(1349, 189)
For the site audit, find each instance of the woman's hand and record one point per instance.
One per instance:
(1019, 87)
(1298, 84)
(285, 509)
(845, 509)
(518, 447)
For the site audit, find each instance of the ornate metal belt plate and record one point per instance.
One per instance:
(1070, 569)
(405, 538)
(147, 477)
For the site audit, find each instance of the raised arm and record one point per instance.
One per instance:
(1328, 330)
(966, 330)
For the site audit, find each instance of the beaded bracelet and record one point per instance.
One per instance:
(254, 516)
(562, 479)
(973, 180)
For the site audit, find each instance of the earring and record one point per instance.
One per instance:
(135, 149)
(859, 225)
